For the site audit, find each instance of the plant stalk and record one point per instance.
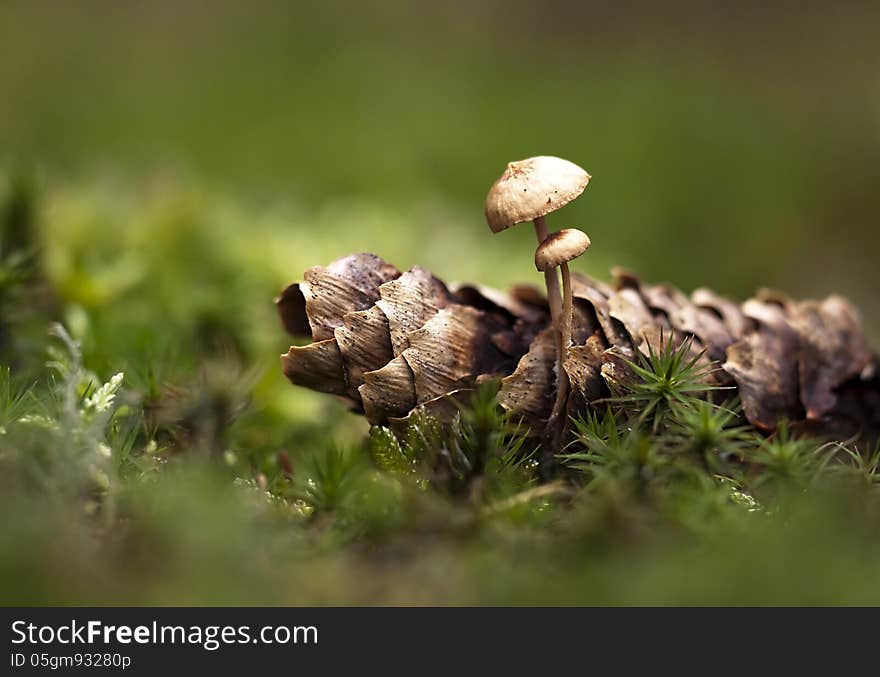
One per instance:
(554, 298)
(560, 314)
(566, 319)
(556, 422)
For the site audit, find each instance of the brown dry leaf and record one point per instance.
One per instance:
(591, 300)
(511, 321)
(730, 313)
(630, 310)
(583, 365)
(833, 350)
(291, 305)
(764, 366)
(409, 301)
(317, 366)
(857, 410)
(584, 324)
(529, 390)
(515, 341)
(389, 391)
(365, 345)
(348, 284)
(491, 300)
(451, 347)
(690, 319)
(616, 372)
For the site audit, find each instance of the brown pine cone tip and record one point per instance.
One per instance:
(388, 342)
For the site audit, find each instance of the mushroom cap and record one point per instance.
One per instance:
(531, 188)
(561, 247)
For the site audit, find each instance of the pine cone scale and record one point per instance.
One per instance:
(390, 341)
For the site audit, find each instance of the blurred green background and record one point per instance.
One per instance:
(730, 146)
(182, 161)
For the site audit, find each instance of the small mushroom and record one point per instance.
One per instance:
(555, 252)
(528, 190)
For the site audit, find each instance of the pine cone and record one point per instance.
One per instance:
(388, 342)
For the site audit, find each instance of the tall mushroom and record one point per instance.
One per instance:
(528, 190)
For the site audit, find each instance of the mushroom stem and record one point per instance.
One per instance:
(554, 298)
(557, 417)
(567, 306)
(558, 315)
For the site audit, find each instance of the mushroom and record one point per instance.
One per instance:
(556, 251)
(528, 190)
